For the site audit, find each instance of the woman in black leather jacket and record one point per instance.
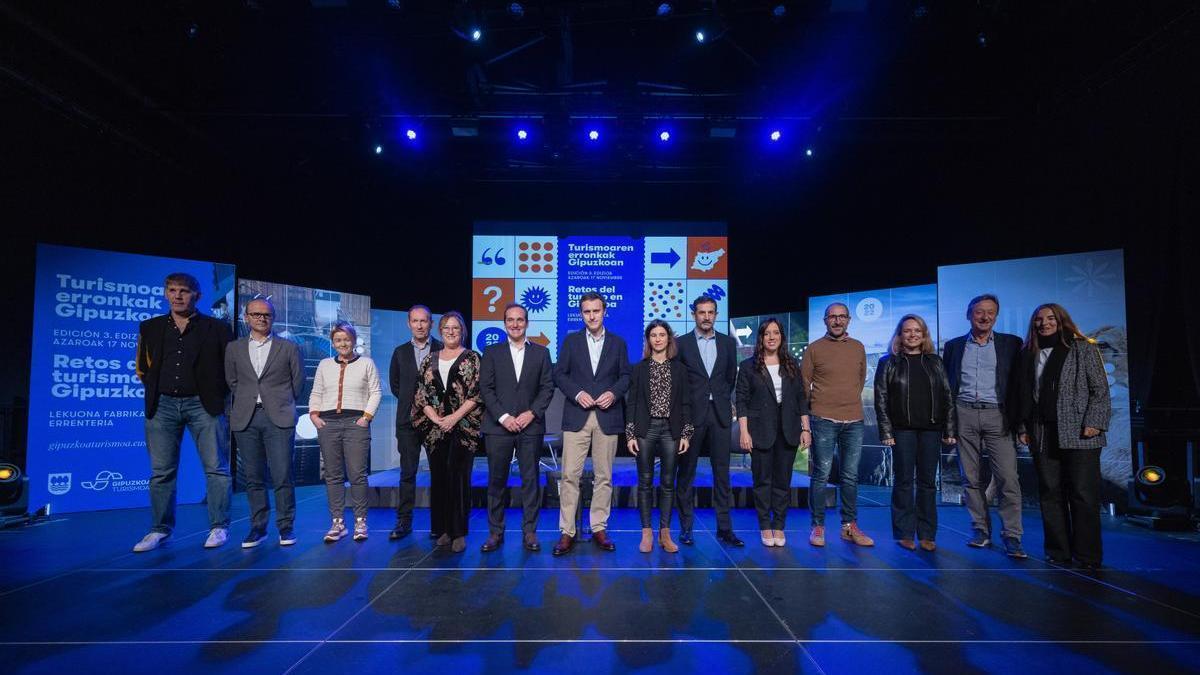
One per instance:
(914, 408)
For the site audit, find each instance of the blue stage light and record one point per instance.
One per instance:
(808, 152)
(664, 136)
(594, 135)
(700, 37)
(775, 135)
(522, 134)
(779, 11)
(411, 134)
(516, 9)
(665, 9)
(476, 35)
(379, 149)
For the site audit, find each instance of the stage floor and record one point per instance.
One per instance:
(75, 599)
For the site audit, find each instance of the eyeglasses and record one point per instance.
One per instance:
(838, 317)
(259, 315)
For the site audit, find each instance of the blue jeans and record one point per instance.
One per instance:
(164, 433)
(847, 436)
(263, 446)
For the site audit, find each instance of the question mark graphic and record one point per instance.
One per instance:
(494, 294)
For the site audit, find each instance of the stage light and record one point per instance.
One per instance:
(594, 135)
(1151, 475)
(14, 495)
(779, 11)
(411, 134)
(516, 9)
(775, 135)
(981, 39)
(700, 37)
(664, 9)
(664, 136)
(808, 152)
(476, 35)
(522, 134)
(379, 149)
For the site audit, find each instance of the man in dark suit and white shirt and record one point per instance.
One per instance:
(593, 374)
(711, 361)
(516, 383)
(264, 374)
(402, 376)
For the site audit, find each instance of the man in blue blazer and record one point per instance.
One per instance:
(711, 361)
(982, 369)
(516, 383)
(593, 374)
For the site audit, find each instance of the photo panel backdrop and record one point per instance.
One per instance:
(86, 443)
(305, 316)
(645, 271)
(389, 330)
(873, 318)
(1091, 286)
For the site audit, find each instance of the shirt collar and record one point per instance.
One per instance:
(518, 345)
(261, 343)
(704, 337)
(338, 359)
(971, 338)
(428, 344)
(603, 332)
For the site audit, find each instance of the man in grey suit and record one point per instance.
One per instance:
(516, 384)
(402, 376)
(264, 374)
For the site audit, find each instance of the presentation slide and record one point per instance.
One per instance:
(645, 271)
(873, 317)
(1091, 286)
(304, 316)
(87, 444)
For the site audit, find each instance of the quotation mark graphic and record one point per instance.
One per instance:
(485, 259)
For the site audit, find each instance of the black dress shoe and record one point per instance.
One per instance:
(401, 531)
(600, 539)
(531, 542)
(685, 537)
(1060, 562)
(730, 538)
(1088, 566)
(493, 542)
(564, 545)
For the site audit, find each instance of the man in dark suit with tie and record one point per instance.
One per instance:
(402, 376)
(517, 384)
(264, 374)
(711, 361)
(593, 374)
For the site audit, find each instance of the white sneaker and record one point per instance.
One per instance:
(217, 537)
(150, 542)
(336, 531)
(360, 529)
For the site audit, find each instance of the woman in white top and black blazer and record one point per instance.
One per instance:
(773, 420)
(345, 395)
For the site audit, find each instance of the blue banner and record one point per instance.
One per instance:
(86, 444)
(612, 267)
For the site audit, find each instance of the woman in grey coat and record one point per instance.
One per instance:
(1065, 408)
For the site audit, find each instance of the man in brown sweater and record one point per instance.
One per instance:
(834, 369)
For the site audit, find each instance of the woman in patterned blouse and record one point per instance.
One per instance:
(658, 424)
(447, 412)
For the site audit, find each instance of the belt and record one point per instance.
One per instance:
(979, 405)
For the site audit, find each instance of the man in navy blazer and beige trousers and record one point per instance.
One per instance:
(264, 373)
(593, 373)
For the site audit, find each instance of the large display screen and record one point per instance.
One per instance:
(644, 270)
(1091, 286)
(873, 318)
(87, 443)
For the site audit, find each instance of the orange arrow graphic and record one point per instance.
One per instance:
(541, 339)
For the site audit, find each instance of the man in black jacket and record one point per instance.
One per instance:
(982, 368)
(402, 376)
(516, 382)
(711, 361)
(181, 362)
